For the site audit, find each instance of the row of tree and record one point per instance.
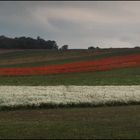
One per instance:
(28, 43)
(93, 48)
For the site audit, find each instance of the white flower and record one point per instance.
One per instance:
(36, 95)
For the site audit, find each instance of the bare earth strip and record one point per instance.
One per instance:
(47, 57)
(12, 96)
(34, 59)
(2, 51)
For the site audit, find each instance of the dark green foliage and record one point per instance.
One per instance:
(26, 43)
(68, 105)
(64, 48)
(91, 48)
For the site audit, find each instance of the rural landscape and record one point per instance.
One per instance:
(68, 86)
(69, 70)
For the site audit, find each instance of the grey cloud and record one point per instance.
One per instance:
(80, 23)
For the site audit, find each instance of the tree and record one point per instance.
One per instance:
(26, 43)
(91, 48)
(51, 45)
(137, 47)
(64, 47)
(97, 48)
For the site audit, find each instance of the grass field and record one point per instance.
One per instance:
(102, 122)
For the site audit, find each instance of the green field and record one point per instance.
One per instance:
(82, 123)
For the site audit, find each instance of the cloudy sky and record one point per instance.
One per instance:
(79, 24)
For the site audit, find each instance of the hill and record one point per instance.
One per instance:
(75, 67)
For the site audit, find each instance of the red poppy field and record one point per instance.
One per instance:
(101, 64)
(71, 67)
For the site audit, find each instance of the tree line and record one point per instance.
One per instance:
(31, 43)
(26, 43)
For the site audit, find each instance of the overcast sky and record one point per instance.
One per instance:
(79, 24)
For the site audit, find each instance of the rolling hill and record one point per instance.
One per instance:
(74, 67)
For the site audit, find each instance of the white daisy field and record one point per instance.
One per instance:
(12, 96)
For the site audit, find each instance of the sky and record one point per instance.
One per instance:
(79, 24)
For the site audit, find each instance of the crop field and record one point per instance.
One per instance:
(72, 67)
(13, 97)
(69, 70)
(62, 91)
(77, 69)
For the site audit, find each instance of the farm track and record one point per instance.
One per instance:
(6, 51)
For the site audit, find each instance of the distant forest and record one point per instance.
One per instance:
(26, 43)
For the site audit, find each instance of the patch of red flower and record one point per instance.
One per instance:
(87, 65)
